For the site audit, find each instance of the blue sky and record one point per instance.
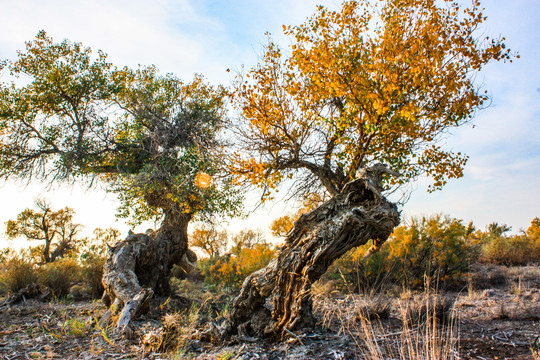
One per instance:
(207, 36)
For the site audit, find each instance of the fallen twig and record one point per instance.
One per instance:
(294, 335)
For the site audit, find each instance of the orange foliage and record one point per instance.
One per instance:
(209, 240)
(282, 225)
(231, 270)
(374, 82)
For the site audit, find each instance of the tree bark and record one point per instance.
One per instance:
(359, 213)
(139, 267)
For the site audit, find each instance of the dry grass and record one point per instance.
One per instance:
(488, 276)
(428, 325)
(419, 309)
(429, 331)
(189, 289)
(170, 337)
(16, 274)
(173, 336)
(430, 341)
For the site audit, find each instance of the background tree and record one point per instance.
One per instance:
(56, 126)
(281, 226)
(533, 231)
(153, 139)
(247, 238)
(55, 228)
(497, 230)
(373, 82)
(209, 240)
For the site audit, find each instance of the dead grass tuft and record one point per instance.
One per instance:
(426, 307)
(428, 325)
(173, 335)
(488, 276)
(17, 274)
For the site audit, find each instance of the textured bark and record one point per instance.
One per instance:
(359, 213)
(133, 308)
(140, 266)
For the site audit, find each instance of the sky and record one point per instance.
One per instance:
(184, 37)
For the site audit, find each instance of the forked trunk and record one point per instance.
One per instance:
(356, 215)
(140, 266)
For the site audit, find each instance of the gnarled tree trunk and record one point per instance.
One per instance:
(359, 213)
(140, 266)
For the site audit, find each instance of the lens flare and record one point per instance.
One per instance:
(203, 180)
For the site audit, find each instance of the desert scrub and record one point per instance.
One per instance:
(488, 276)
(230, 270)
(17, 273)
(438, 247)
(58, 276)
(91, 273)
(511, 250)
(502, 249)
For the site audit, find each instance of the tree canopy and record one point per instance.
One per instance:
(153, 138)
(379, 81)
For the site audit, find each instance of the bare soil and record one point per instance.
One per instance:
(487, 322)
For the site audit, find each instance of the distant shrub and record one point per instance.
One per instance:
(439, 247)
(230, 270)
(487, 276)
(16, 273)
(511, 250)
(500, 249)
(351, 273)
(92, 257)
(92, 273)
(19, 269)
(58, 276)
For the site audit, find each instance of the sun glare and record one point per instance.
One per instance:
(203, 180)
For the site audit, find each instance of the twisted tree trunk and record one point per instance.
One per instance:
(140, 266)
(359, 213)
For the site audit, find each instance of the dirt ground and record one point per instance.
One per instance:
(495, 319)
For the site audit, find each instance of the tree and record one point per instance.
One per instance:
(373, 82)
(282, 225)
(55, 228)
(56, 126)
(360, 88)
(152, 138)
(497, 230)
(209, 240)
(533, 231)
(247, 239)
